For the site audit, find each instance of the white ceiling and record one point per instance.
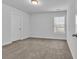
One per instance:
(43, 6)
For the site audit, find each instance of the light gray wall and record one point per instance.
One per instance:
(42, 25)
(72, 41)
(8, 22)
(26, 26)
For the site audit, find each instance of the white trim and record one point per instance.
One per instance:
(13, 40)
(69, 48)
(48, 37)
(33, 37)
(7, 43)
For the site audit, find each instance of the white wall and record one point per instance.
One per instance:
(72, 41)
(42, 25)
(26, 26)
(8, 22)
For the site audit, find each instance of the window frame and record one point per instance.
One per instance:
(64, 25)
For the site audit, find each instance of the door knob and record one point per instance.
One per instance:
(74, 35)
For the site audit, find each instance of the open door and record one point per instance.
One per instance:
(71, 31)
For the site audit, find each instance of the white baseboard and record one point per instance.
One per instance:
(48, 37)
(71, 50)
(32, 37)
(24, 38)
(6, 43)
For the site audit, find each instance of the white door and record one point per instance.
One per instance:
(16, 21)
(72, 39)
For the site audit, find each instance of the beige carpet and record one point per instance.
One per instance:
(37, 49)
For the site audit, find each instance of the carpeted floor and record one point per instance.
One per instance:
(37, 49)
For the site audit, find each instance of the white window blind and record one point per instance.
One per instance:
(59, 24)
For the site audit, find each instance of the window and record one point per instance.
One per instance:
(59, 24)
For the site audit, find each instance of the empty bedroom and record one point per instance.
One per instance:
(39, 29)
